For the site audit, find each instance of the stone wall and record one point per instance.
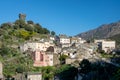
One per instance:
(56, 59)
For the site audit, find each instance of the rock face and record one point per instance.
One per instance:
(104, 31)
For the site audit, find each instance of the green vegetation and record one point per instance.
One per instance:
(85, 66)
(48, 72)
(62, 68)
(117, 75)
(107, 55)
(52, 33)
(98, 70)
(11, 36)
(66, 72)
(62, 58)
(21, 30)
(104, 54)
(14, 62)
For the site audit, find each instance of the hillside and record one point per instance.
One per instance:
(11, 36)
(103, 31)
(117, 39)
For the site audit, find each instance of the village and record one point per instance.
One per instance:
(46, 52)
(55, 50)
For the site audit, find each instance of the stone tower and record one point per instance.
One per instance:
(22, 16)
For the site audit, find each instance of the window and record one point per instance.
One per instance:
(51, 59)
(41, 57)
(33, 56)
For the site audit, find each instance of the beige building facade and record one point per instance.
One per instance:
(34, 76)
(42, 46)
(45, 59)
(106, 45)
(64, 39)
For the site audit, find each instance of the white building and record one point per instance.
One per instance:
(82, 41)
(106, 45)
(42, 46)
(77, 40)
(57, 49)
(34, 76)
(64, 39)
(65, 45)
(99, 41)
(74, 40)
(52, 38)
(72, 55)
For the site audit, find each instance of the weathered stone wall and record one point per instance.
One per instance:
(56, 59)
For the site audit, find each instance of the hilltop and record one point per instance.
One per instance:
(14, 34)
(21, 31)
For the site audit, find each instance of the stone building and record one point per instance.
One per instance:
(22, 17)
(42, 58)
(28, 76)
(77, 40)
(64, 39)
(34, 76)
(74, 40)
(106, 45)
(33, 46)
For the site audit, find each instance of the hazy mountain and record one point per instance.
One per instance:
(103, 31)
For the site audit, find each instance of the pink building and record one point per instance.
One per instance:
(42, 58)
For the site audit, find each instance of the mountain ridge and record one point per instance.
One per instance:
(102, 32)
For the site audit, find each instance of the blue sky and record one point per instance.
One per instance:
(62, 16)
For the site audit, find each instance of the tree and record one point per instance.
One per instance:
(30, 22)
(52, 33)
(2, 32)
(46, 31)
(85, 66)
(6, 25)
(38, 28)
(62, 58)
(20, 69)
(29, 28)
(4, 50)
(48, 72)
(117, 75)
(66, 72)
(24, 34)
(20, 23)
